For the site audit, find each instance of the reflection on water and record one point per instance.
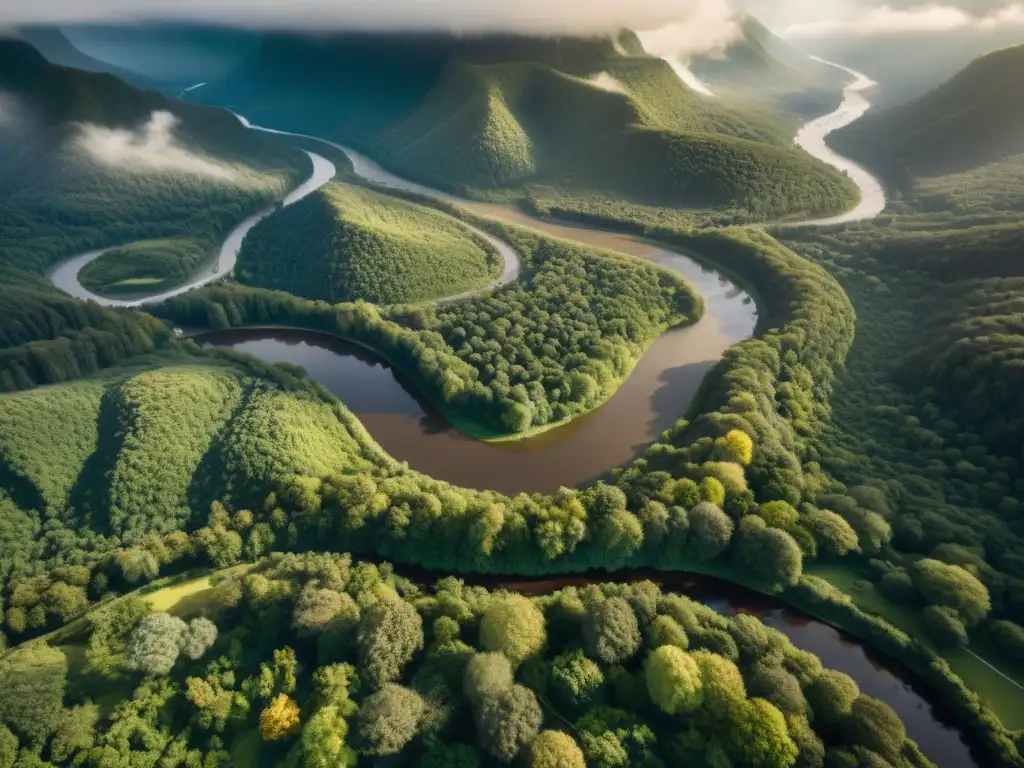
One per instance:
(652, 399)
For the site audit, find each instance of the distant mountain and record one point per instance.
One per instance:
(909, 65)
(502, 112)
(181, 54)
(976, 118)
(58, 197)
(762, 68)
(55, 46)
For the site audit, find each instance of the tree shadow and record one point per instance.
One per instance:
(89, 501)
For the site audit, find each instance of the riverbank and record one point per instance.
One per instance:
(890, 680)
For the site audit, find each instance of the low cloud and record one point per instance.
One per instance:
(606, 82)
(924, 18)
(527, 16)
(709, 30)
(12, 113)
(152, 148)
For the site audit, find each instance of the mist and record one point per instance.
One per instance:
(152, 148)
(463, 16)
(886, 19)
(11, 112)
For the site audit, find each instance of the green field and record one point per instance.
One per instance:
(1003, 695)
(147, 266)
(344, 243)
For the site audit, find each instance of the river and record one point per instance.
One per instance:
(658, 392)
(933, 730)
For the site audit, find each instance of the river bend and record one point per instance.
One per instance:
(660, 389)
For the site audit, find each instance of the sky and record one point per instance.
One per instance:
(701, 24)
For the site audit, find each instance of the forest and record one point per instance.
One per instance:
(57, 201)
(531, 353)
(323, 660)
(500, 116)
(172, 588)
(345, 243)
(145, 267)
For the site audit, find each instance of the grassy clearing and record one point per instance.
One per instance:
(188, 598)
(149, 264)
(999, 693)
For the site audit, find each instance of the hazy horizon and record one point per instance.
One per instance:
(703, 25)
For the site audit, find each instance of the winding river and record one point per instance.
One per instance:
(660, 389)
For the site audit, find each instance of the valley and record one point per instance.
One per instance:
(549, 401)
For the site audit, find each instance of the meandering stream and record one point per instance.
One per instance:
(660, 389)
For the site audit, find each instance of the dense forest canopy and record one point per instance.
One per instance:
(869, 432)
(344, 243)
(319, 660)
(513, 113)
(58, 200)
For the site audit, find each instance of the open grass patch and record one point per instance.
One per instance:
(1001, 694)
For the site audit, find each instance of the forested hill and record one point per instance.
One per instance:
(55, 46)
(976, 118)
(763, 67)
(63, 194)
(512, 113)
(344, 243)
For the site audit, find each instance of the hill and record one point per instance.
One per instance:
(171, 53)
(760, 67)
(503, 116)
(906, 65)
(974, 119)
(88, 162)
(344, 243)
(140, 448)
(55, 46)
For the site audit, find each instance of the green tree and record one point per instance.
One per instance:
(508, 721)
(137, 565)
(554, 749)
(831, 696)
(514, 626)
(952, 586)
(76, 732)
(710, 531)
(486, 674)
(611, 632)
(873, 724)
(315, 609)
(577, 683)
(758, 736)
(390, 633)
(323, 740)
(665, 630)
(673, 680)
(388, 720)
(721, 681)
(776, 685)
(944, 626)
(8, 747)
(32, 694)
(768, 554)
